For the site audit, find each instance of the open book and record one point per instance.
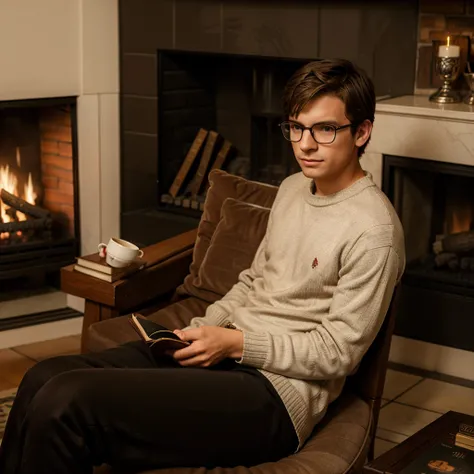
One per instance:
(158, 338)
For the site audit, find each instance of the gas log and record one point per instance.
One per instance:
(38, 223)
(455, 251)
(22, 206)
(460, 242)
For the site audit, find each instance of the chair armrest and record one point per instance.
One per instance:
(161, 251)
(167, 264)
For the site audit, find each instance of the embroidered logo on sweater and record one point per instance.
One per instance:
(315, 263)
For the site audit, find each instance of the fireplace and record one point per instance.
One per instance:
(435, 202)
(238, 97)
(39, 231)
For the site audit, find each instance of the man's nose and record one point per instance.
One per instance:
(307, 141)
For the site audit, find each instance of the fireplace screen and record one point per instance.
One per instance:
(435, 202)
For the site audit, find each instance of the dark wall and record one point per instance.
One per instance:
(438, 19)
(380, 37)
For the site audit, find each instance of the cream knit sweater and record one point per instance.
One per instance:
(316, 293)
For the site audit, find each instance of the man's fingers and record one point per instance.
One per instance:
(197, 361)
(179, 333)
(186, 353)
(190, 334)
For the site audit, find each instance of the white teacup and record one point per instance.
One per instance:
(120, 253)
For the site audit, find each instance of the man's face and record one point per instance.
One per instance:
(332, 165)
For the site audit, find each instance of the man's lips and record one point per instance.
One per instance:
(310, 162)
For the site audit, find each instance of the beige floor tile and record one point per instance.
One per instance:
(397, 382)
(45, 349)
(382, 446)
(404, 419)
(440, 396)
(48, 301)
(12, 368)
(391, 436)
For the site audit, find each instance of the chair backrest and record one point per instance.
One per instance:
(369, 379)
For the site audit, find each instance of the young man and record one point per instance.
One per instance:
(306, 312)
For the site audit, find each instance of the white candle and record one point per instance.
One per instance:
(449, 51)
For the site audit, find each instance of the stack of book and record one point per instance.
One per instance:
(95, 266)
(465, 436)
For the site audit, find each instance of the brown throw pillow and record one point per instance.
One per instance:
(222, 186)
(233, 246)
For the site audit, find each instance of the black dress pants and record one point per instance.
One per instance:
(124, 408)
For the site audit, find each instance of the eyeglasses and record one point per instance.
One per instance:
(322, 133)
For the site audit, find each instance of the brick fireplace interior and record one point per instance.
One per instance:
(38, 165)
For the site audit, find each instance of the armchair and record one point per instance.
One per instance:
(187, 273)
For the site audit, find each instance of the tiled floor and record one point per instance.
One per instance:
(16, 361)
(410, 402)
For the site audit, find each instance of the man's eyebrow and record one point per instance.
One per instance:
(322, 122)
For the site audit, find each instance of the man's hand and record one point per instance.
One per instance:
(209, 345)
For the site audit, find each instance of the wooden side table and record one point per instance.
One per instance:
(167, 263)
(442, 429)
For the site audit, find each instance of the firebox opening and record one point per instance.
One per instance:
(435, 203)
(38, 193)
(240, 98)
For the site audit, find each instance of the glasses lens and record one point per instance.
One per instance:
(291, 131)
(324, 133)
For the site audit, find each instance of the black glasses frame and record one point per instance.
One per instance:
(336, 129)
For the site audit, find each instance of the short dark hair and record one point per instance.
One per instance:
(339, 77)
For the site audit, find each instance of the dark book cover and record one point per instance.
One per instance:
(159, 339)
(442, 458)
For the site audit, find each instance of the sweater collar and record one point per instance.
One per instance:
(342, 195)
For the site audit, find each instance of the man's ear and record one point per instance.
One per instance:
(363, 132)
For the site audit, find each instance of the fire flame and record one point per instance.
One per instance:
(461, 220)
(9, 182)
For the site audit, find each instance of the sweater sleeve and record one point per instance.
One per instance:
(335, 347)
(218, 312)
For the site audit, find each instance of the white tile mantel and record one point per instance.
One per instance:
(418, 105)
(413, 127)
(56, 48)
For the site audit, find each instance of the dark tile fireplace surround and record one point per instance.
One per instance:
(187, 64)
(221, 66)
